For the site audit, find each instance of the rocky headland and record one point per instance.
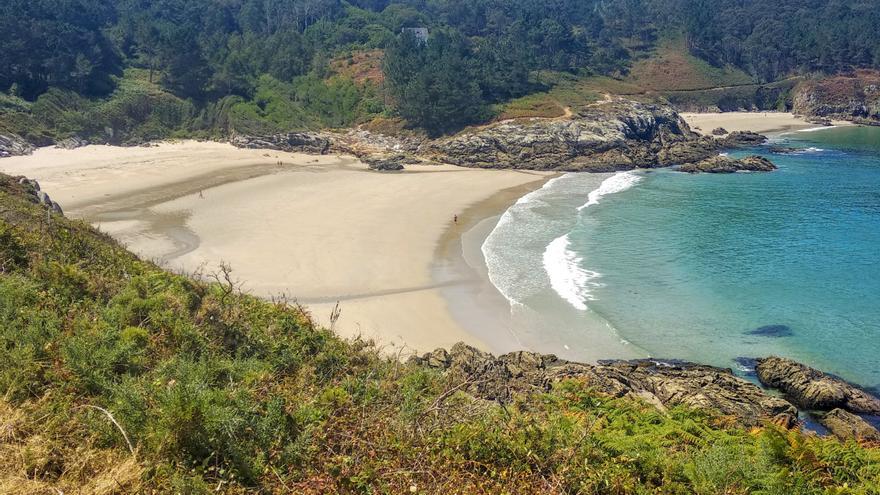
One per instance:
(612, 135)
(666, 384)
(854, 97)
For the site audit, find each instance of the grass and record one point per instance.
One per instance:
(220, 392)
(671, 68)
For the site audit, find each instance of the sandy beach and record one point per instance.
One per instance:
(760, 122)
(318, 229)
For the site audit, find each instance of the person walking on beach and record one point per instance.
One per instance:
(455, 218)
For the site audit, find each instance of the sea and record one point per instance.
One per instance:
(711, 268)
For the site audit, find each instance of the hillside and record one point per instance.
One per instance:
(131, 71)
(119, 377)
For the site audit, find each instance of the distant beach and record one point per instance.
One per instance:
(318, 229)
(760, 122)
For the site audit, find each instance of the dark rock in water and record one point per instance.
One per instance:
(660, 383)
(848, 426)
(781, 150)
(743, 138)
(812, 389)
(772, 331)
(726, 165)
(746, 365)
(719, 131)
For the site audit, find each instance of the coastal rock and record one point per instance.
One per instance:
(663, 384)
(71, 143)
(854, 97)
(719, 131)
(783, 150)
(812, 389)
(30, 189)
(739, 139)
(727, 165)
(847, 426)
(14, 145)
(303, 142)
(614, 135)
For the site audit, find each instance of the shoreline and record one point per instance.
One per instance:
(773, 123)
(319, 229)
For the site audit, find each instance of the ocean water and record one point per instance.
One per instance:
(707, 268)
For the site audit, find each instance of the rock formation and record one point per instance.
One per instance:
(719, 131)
(814, 390)
(739, 139)
(71, 143)
(854, 97)
(14, 145)
(33, 192)
(615, 135)
(304, 142)
(663, 384)
(845, 425)
(387, 163)
(727, 165)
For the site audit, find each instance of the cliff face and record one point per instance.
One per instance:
(614, 135)
(854, 97)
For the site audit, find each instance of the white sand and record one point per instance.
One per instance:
(319, 229)
(760, 122)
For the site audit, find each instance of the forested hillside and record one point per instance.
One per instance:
(281, 63)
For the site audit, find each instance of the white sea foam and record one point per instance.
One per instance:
(616, 183)
(567, 277)
(507, 217)
(814, 129)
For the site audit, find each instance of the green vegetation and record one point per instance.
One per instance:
(119, 377)
(287, 64)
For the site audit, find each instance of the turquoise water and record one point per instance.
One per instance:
(708, 268)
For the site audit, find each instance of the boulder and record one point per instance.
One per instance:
(719, 131)
(726, 165)
(812, 389)
(662, 384)
(847, 426)
(14, 145)
(386, 163)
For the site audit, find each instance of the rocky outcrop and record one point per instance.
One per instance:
(739, 139)
(727, 165)
(663, 384)
(304, 142)
(845, 426)
(719, 131)
(71, 143)
(812, 389)
(854, 97)
(14, 145)
(615, 135)
(35, 195)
